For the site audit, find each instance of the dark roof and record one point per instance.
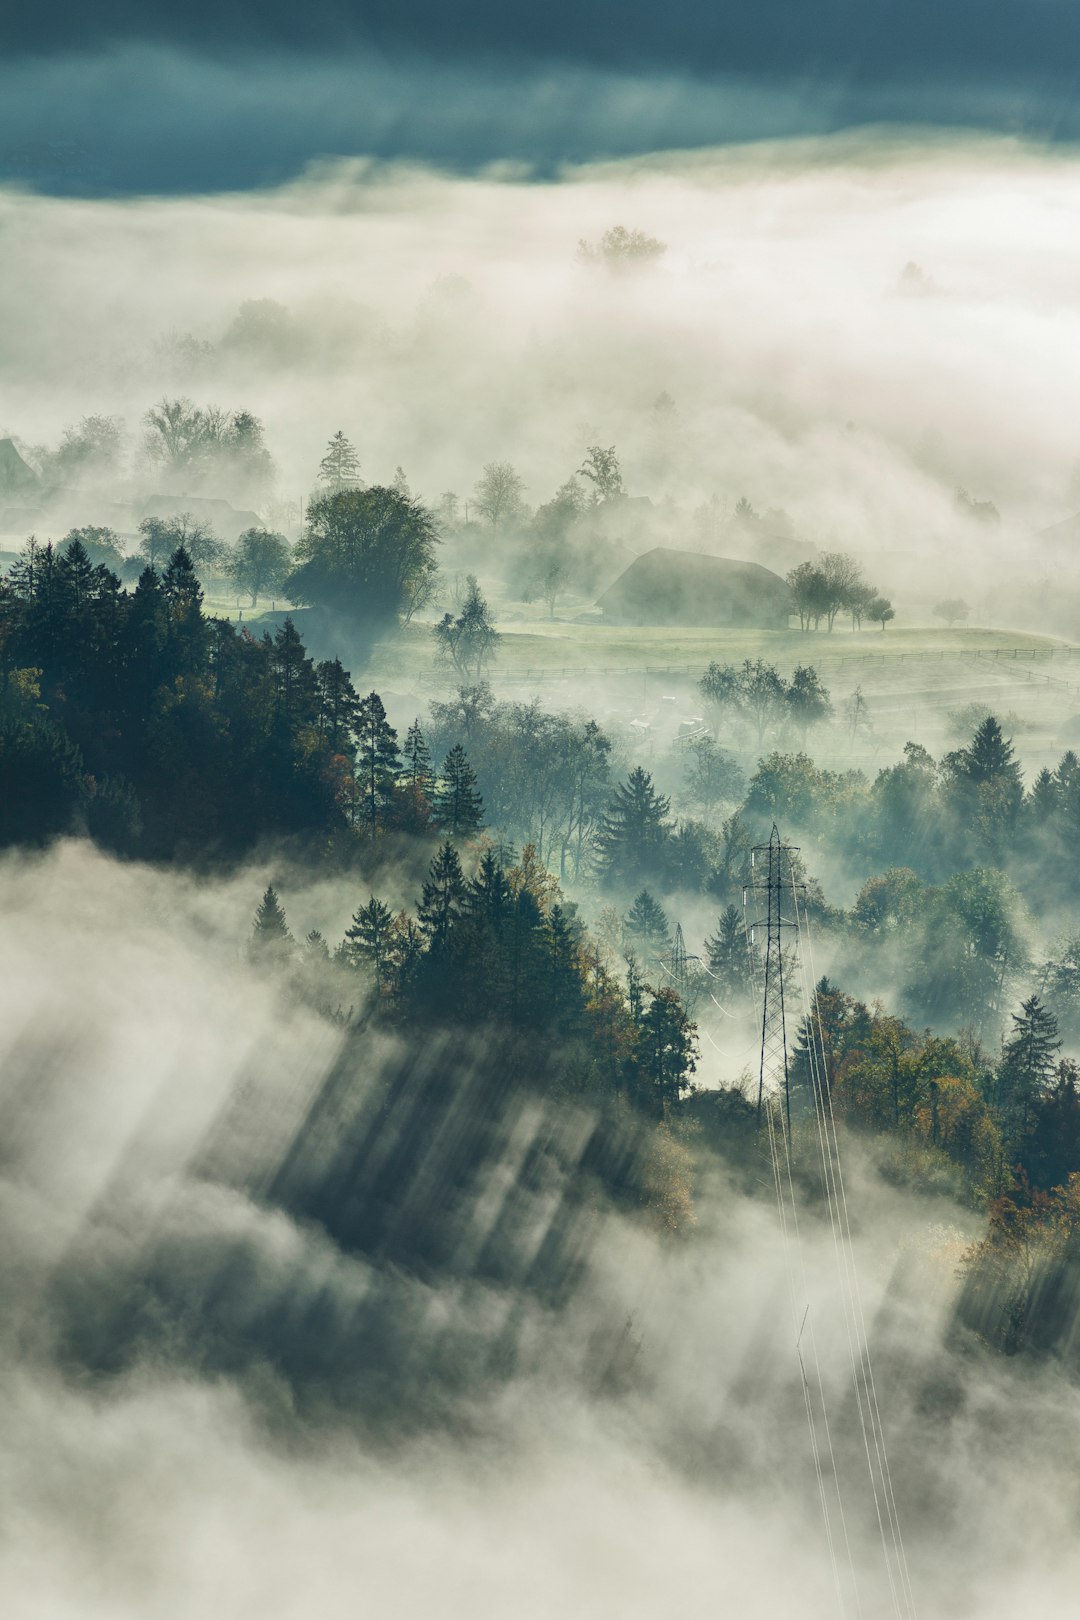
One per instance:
(694, 588)
(15, 473)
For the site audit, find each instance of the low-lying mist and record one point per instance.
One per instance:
(446, 322)
(210, 1406)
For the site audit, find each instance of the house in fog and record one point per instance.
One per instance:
(691, 588)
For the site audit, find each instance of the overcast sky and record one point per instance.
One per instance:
(138, 95)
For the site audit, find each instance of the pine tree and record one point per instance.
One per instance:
(340, 466)
(271, 943)
(378, 759)
(369, 939)
(1028, 1060)
(459, 808)
(489, 895)
(76, 576)
(647, 926)
(667, 1048)
(183, 597)
(634, 831)
(417, 759)
(294, 678)
(729, 956)
(338, 706)
(990, 757)
(564, 986)
(443, 896)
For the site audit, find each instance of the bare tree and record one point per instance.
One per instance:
(498, 496)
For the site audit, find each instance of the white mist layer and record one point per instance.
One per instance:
(169, 1487)
(802, 377)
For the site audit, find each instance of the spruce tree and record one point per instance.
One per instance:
(647, 926)
(294, 679)
(417, 759)
(378, 759)
(564, 986)
(338, 706)
(667, 1048)
(340, 466)
(76, 576)
(1028, 1060)
(729, 956)
(183, 602)
(633, 833)
(369, 939)
(459, 808)
(271, 943)
(443, 896)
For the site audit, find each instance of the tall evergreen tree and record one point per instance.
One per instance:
(338, 706)
(183, 602)
(369, 939)
(294, 679)
(729, 956)
(459, 808)
(378, 759)
(1028, 1059)
(417, 759)
(443, 897)
(633, 833)
(271, 943)
(340, 466)
(667, 1048)
(647, 927)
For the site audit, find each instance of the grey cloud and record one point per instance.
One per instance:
(151, 118)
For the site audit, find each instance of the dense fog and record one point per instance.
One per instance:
(637, 1445)
(446, 322)
(523, 1089)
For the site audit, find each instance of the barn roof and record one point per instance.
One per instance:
(694, 588)
(15, 473)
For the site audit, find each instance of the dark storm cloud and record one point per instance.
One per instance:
(159, 118)
(878, 38)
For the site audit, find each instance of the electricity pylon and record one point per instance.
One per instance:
(774, 885)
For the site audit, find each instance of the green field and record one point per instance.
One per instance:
(553, 650)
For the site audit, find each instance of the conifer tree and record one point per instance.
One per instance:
(183, 597)
(76, 575)
(338, 706)
(1028, 1060)
(729, 956)
(633, 833)
(340, 466)
(667, 1048)
(417, 758)
(564, 986)
(443, 896)
(294, 678)
(271, 943)
(369, 939)
(489, 894)
(647, 926)
(378, 759)
(459, 808)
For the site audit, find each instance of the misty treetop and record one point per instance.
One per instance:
(367, 555)
(496, 947)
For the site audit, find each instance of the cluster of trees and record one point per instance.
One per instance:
(754, 697)
(257, 564)
(167, 733)
(1010, 1124)
(832, 586)
(499, 950)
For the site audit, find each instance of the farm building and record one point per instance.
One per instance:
(693, 588)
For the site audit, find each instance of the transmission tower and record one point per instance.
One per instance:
(678, 966)
(774, 885)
